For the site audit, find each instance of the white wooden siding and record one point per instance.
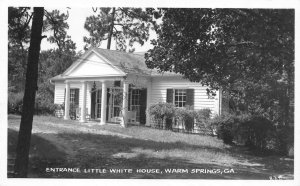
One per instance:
(59, 92)
(201, 99)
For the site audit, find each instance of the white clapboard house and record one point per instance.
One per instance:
(110, 86)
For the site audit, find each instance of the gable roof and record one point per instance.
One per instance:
(129, 63)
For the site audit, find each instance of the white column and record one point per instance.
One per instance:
(83, 109)
(67, 101)
(217, 106)
(125, 104)
(103, 104)
(220, 101)
(149, 88)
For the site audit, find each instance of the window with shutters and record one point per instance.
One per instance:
(180, 97)
(72, 96)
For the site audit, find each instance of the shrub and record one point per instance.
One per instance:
(202, 118)
(179, 116)
(265, 137)
(189, 120)
(256, 132)
(226, 128)
(59, 110)
(259, 129)
(162, 111)
(285, 140)
(202, 115)
(44, 105)
(15, 102)
(231, 127)
(185, 117)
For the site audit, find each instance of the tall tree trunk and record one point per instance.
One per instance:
(111, 28)
(22, 157)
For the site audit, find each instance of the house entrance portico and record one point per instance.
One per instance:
(113, 105)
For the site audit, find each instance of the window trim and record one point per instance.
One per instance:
(133, 102)
(174, 97)
(72, 95)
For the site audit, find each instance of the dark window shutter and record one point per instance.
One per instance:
(76, 97)
(129, 96)
(190, 98)
(169, 96)
(107, 103)
(143, 105)
(93, 102)
(64, 97)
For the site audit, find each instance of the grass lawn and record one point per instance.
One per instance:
(96, 151)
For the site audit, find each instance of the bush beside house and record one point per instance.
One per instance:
(166, 116)
(42, 106)
(254, 131)
(161, 114)
(15, 103)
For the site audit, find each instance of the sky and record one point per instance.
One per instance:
(76, 30)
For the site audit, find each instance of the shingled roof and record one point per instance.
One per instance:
(130, 63)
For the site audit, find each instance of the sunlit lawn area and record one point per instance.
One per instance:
(69, 144)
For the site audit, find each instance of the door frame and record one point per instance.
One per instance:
(98, 91)
(110, 105)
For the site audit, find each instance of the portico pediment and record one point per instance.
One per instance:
(93, 65)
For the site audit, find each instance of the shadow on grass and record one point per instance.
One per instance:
(92, 151)
(43, 153)
(99, 151)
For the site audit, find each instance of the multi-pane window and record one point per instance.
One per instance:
(72, 96)
(117, 98)
(98, 103)
(180, 97)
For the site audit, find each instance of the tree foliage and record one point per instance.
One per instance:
(18, 40)
(249, 53)
(52, 62)
(18, 24)
(56, 22)
(126, 25)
